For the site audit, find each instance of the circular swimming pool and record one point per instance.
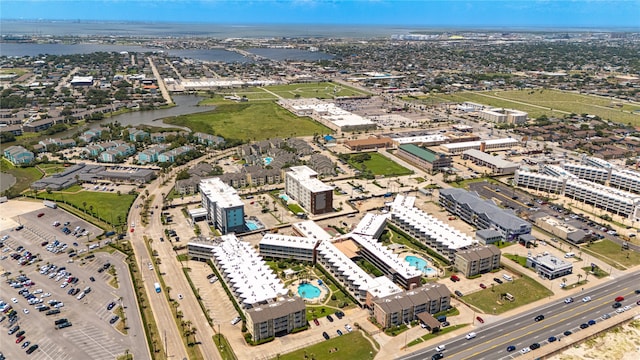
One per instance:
(308, 291)
(419, 264)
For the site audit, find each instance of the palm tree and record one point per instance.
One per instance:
(579, 277)
(91, 209)
(84, 206)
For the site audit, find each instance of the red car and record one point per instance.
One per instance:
(483, 286)
(481, 320)
(455, 278)
(132, 229)
(315, 321)
(620, 298)
(41, 215)
(19, 340)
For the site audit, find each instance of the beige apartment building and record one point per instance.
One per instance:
(477, 260)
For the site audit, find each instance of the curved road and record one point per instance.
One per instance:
(521, 330)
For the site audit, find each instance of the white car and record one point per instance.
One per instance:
(64, 285)
(627, 308)
(15, 301)
(39, 291)
(25, 311)
(586, 299)
(180, 296)
(150, 266)
(348, 327)
(471, 335)
(5, 237)
(58, 305)
(568, 300)
(620, 310)
(440, 348)
(525, 350)
(45, 295)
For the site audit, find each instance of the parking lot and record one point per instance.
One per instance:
(56, 301)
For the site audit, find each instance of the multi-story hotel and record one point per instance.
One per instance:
(404, 307)
(483, 214)
(500, 115)
(301, 184)
(591, 173)
(616, 201)
(478, 260)
(224, 208)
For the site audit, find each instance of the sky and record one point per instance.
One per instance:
(423, 13)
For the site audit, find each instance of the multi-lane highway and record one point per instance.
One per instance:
(522, 330)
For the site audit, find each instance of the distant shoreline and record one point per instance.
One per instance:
(84, 28)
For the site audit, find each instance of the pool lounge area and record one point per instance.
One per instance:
(253, 224)
(421, 264)
(310, 290)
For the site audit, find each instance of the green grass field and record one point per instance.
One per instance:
(381, 165)
(612, 254)
(524, 289)
(350, 346)
(250, 122)
(24, 176)
(322, 90)
(106, 206)
(543, 101)
(51, 169)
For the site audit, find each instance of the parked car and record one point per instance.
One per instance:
(584, 326)
(497, 280)
(458, 293)
(325, 335)
(454, 278)
(329, 318)
(511, 348)
(315, 321)
(480, 320)
(619, 298)
(534, 346)
(483, 286)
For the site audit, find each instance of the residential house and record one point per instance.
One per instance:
(171, 155)
(208, 139)
(138, 135)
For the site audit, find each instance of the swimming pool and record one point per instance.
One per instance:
(284, 197)
(267, 160)
(419, 264)
(252, 225)
(308, 291)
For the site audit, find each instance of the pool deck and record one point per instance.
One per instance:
(435, 271)
(323, 290)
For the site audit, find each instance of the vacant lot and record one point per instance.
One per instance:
(24, 176)
(250, 122)
(321, 90)
(524, 289)
(380, 165)
(613, 254)
(346, 347)
(107, 207)
(548, 102)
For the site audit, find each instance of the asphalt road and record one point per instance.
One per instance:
(521, 330)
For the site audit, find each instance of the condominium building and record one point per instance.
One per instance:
(424, 158)
(276, 319)
(392, 265)
(249, 279)
(625, 180)
(277, 246)
(404, 307)
(591, 173)
(483, 214)
(549, 266)
(362, 286)
(224, 208)
(301, 184)
(496, 164)
(597, 162)
(478, 260)
(437, 235)
(201, 249)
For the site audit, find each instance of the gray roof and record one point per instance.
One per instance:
(276, 310)
(504, 218)
(488, 233)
